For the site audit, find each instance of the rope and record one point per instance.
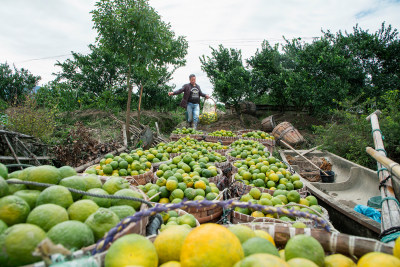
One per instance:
(381, 170)
(103, 243)
(83, 192)
(383, 182)
(378, 130)
(390, 198)
(390, 234)
(383, 150)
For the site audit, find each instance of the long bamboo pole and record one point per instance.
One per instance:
(389, 164)
(390, 210)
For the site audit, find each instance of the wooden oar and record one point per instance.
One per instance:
(309, 161)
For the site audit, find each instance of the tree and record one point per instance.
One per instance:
(231, 80)
(135, 32)
(95, 72)
(268, 75)
(16, 84)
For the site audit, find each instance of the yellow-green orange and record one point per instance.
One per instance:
(115, 184)
(303, 246)
(123, 211)
(127, 193)
(82, 209)
(17, 244)
(396, 248)
(66, 171)
(55, 194)
(4, 189)
(264, 234)
(3, 171)
(262, 260)
(256, 245)
(378, 259)
(173, 235)
(201, 248)
(338, 260)
(44, 174)
(13, 210)
(242, 232)
(46, 216)
(131, 250)
(171, 264)
(30, 196)
(301, 262)
(71, 234)
(101, 222)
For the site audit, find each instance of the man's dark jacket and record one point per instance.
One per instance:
(186, 89)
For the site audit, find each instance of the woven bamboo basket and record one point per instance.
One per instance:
(286, 132)
(348, 245)
(208, 214)
(237, 217)
(332, 242)
(134, 180)
(157, 165)
(265, 142)
(225, 140)
(268, 124)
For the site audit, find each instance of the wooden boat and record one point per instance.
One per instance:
(353, 184)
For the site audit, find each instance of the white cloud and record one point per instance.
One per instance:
(43, 28)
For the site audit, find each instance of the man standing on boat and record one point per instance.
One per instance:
(191, 100)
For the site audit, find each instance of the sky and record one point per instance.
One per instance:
(35, 34)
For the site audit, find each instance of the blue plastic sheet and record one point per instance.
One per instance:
(369, 212)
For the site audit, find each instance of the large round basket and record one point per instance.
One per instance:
(134, 180)
(237, 217)
(225, 140)
(246, 188)
(268, 124)
(348, 245)
(269, 143)
(207, 214)
(286, 132)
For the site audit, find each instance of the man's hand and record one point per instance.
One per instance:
(207, 96)
(170, 93)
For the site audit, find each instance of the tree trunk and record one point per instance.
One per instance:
(140, 101)
(128, 105)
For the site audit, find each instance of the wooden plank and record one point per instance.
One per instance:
(29, 152)
(11, 149)
(25, 158)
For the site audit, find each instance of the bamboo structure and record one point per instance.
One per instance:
(390, 209)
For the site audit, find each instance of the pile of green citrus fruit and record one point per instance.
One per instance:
(238, 246)
(29, 213)
(279, 198)
(222, 133)
(249, 152)
(172, 217)
(266, 172)
(135, 163)
(258, 135)
(208, 117)
(188, 144)
(185, 130)
(181, 178)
